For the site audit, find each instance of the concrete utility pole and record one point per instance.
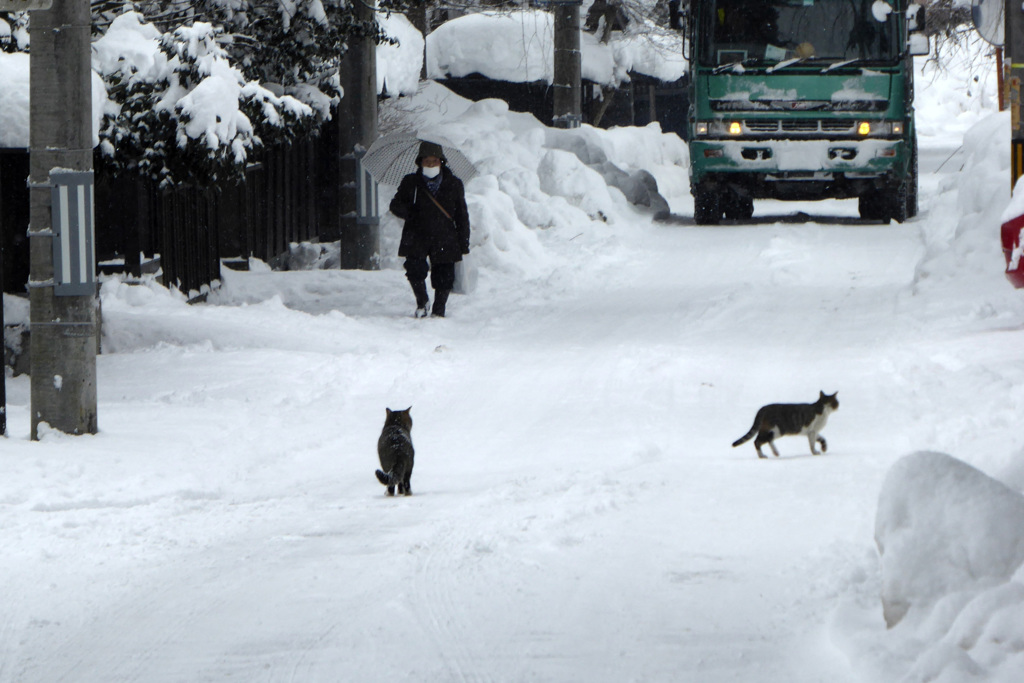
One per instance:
(1014, 32)
(63, 306)
(419, 17)
(359, 229)
(568, 65)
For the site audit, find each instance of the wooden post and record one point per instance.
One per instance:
(568, 65)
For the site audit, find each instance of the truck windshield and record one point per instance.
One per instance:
(765, 32)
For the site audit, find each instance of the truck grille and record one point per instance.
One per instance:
(799, 126)
(837, 126)
(762, 125)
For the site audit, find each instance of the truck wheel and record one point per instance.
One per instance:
(887, 205)
(898, 203)
(738, 208)
(707, 207)
(911, 183)
(871, 207)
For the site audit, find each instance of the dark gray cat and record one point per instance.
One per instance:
(785, 419)
(394, 448)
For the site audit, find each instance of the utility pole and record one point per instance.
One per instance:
(419, 17)
(62, 284)
(568, 65)
(359, 220)
(1014, 40)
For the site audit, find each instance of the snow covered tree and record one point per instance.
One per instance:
(179, 110)
(197, 85)
(13, 31)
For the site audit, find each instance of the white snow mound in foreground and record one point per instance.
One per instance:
(944, 526)
(951, 541)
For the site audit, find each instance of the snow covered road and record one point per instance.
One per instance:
(579, 514)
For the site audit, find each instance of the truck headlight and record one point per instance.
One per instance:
(879, 128)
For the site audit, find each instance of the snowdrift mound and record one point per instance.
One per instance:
(951, 541)
(541, 187)
(982, 191)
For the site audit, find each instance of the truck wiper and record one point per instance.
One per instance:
(731, 65)
(786, 62)
(840, 65)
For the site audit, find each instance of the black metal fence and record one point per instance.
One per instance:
(290, 194)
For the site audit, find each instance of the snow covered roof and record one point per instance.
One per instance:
(518, 47)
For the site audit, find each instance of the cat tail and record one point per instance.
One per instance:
(383, 478)
(746, 437)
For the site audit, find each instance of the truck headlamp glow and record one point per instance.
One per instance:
(879, 128)
(718, 128)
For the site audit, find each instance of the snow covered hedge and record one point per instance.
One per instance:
(179, 109)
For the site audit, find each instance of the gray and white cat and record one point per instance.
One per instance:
(785, 419)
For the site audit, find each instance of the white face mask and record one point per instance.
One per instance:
(431, 171)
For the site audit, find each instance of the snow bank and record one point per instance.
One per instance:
(398, 66)
(961, 232)
(14, 84)
(942, 527)
(951, 541)
(541, 186)
(955, 88)
(14, 105)
(518, 47)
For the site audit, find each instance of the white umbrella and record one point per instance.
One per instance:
(391, 157)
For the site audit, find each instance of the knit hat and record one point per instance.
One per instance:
(430, 149)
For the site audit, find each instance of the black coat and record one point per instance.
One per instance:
(427, 231)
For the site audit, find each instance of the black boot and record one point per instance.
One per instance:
(440, 299)
(419, 288)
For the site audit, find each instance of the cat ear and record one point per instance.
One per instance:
(408, 409)
(389, 411)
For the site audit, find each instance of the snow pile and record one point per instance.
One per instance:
(951, 541)
(581, 185)
(976, 198)
(16, 34)
(14, 105)
(398, 65)
(518, 47)
(14, 84)
(955, 87)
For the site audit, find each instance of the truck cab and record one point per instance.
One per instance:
(802, 100)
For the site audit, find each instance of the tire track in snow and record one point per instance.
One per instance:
(436, 583)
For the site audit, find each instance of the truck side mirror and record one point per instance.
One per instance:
(918, 44)
(915, 18)
(675, 15)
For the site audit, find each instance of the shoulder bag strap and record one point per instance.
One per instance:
(438, 204)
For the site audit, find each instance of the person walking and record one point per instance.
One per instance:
(432, 202)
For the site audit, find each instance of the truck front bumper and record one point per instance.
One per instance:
(795, 169)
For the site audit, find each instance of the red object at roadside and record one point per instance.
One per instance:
(1013, 252)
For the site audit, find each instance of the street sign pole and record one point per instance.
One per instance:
(62, 290)
(1014, 38)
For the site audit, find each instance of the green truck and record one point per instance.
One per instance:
(801, 100)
